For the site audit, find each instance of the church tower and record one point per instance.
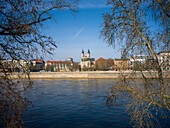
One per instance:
(82, 53)
(88, 53)
(87, 63)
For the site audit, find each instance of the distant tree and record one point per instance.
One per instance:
(104, 64)
(33, 69)
(43, 68)
(75, 66)
(101, 65)
(140, 27)
(51, 68)
(21, 38)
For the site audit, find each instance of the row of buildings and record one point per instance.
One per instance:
(137, 62)
(14, 65)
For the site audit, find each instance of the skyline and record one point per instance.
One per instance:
(81, 30)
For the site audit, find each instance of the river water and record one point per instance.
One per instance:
(74, 104)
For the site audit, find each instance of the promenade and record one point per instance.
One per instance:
(93, 75)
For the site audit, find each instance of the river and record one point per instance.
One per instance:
(74, 104)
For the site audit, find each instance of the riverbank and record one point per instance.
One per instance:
(93, 75)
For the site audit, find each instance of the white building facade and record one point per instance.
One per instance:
(164, 60)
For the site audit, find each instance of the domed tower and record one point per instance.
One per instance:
(88, 53)
(82, 53)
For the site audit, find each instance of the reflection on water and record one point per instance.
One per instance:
(73, 104)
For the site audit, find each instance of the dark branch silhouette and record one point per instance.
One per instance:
(129, 24)
(21, 39)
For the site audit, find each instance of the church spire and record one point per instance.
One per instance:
(88, 51)
(82, 53)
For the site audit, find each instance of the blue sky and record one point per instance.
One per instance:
(73, 33)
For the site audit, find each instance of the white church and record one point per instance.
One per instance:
(87, 63)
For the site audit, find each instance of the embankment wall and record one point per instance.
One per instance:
(93, 75)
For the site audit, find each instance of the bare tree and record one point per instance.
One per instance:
(20, 25)
(140, 26)
(74, 66)
(21, 38)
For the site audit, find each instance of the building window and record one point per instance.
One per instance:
(34, 63)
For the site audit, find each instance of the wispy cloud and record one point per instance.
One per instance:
(78, 33)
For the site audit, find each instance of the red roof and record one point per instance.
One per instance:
(100, 59)
(39, 60)
(58, 61)
(36, 60)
